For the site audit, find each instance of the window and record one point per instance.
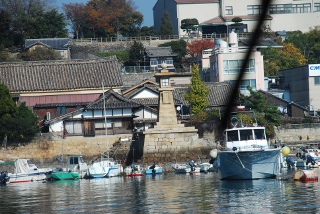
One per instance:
(153, 62)
(244, 83)
(246, 134)
(74, 160)
(316, 7)
(48, 115)
(117, 123)
(229, 10)
(259, 134)
(317, 80)
(232, 136)
(61, 110)
(254, 9)
(165, 82)
(234, 66)
(169, 61)
(289, 8)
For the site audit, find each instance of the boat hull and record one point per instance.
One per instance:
(257, 164)
(19, 178)
(56, 176)
(155, 171)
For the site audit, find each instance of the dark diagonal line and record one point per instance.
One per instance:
(253, 43)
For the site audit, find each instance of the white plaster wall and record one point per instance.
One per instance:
(146, 93)
(56, 127)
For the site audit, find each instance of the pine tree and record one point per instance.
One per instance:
(197, 94)
(165, 26)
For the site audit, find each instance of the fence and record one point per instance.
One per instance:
(150, 38)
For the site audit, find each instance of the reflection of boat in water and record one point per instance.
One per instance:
(247, 154)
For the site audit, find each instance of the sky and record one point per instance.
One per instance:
(143, 6)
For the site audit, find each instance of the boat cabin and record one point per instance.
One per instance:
(76, 163)
(246, 138)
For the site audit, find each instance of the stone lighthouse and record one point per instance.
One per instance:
(168, 140)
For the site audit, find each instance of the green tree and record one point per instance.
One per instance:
(276, 59)
(41, 53)
(237, 23)
(179, 47)
(197, 93)
(136, 53)
(165, 25)
(267, 115)
(147, 31)
(122, 56)
(19, 124)
(188, 25)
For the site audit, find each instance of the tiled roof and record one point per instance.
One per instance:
(130, 93)
(38, 43)
(55, 43)
(132, 80)
(195, 1)
(39, 76)
(159, 52)
(60, 104)
(113, 100)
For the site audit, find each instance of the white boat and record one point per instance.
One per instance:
(105, 167)
(247, 155)
(181, 168)
(25, 171)
(205, 167)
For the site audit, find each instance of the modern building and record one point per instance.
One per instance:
(303, 84)
(215, 16)
(224, 62)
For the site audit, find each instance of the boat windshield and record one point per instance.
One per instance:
(246, 134)
(232, 135)
(259, 134)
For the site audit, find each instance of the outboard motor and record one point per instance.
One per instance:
(290, 162)
(152, 167)
(310, 160)
(4, 178)
(191, 163)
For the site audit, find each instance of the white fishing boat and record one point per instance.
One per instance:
(247, 154)
(105, 167)
(26, 171)
(154, 169)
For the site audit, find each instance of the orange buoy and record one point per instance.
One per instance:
(305, 175)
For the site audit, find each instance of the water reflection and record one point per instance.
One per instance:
(167, 193)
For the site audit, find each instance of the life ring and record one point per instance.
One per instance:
(298, 154)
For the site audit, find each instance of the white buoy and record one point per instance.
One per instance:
(214, 153)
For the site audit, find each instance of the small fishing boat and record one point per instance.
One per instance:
(105, 167)
(205, 167)
(133, 170)
(76, 168)
(154, 169)
(26, 171)
(181, 168)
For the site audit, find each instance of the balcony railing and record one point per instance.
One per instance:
(143, 69)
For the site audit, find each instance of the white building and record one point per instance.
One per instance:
(224, 63)
(215, 16)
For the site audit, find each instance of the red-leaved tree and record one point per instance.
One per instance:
(196, 47)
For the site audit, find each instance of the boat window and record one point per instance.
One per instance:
(259, 134)
(246, 134)
(74, 160)
(232, 136)
(81, 160)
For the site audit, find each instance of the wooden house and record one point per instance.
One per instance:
(155, 56)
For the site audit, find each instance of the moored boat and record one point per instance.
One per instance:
(181, 168)
(133, 171)
(26, 171)
(154, 169)
(105, 167)
(76, 168)
(247, 154)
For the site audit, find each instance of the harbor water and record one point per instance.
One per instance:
(166, 193)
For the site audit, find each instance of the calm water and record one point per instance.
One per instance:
(167, 193)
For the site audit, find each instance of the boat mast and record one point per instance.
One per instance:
(105, 118)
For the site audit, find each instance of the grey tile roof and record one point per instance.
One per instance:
(55, 43)
(43, 105)
(113, 100)
(159, 52)
(131, 80)
(39, 76)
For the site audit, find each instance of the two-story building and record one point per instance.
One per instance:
(215, 16)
